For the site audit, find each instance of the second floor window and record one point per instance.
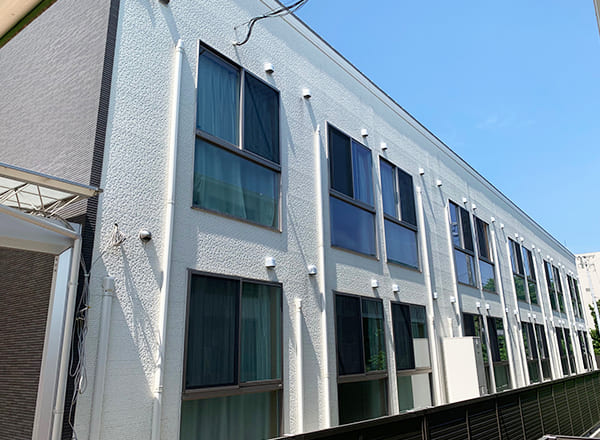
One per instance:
(351, 194)
(399, 215)
(486, 265)
(516, 259)
(236, 163)
(559, 289)
(551, 285)
(462, 239)
(575, 298)
(530, 274)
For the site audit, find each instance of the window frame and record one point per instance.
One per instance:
(516, 251)
(366, 375)
(239, 149)
(551, 284)
(532, 277)
(239, 388)
(532, 352)
(416, 370)
(398, 218)
(347, 199)
(488, 245)
(461, 247)
(560, 294)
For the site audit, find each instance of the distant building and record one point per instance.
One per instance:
(300, 251)
(588, 267)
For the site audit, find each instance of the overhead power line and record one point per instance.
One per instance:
(284, 10)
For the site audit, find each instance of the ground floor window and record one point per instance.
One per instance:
(542, 343)
(413, 364)
(531, 352)
(361, 355)
(233, 359)
(474, 326)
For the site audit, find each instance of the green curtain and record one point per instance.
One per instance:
(261, 333)
(227, 183)
(252, 416)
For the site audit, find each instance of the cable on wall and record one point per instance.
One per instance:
(284, 10)
(80, 327)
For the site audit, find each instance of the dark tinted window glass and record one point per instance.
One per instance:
(407, 198)
(212, 332)
(401, 244)
(469, 325)
(362, 400)
(488, 281)
(466, 229)
(261, 119)
(529, 268)
(373, 333)
(482, 239)
(465, 268)
(351, 227)
(403, 344)
(340, 162)
(454, 225)
(542, 343)
(418, 322)
(363, 174)
(516, 257)
(349, 336)
(388, 189)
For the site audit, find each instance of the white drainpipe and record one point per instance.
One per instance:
(433, 338)
(299, 370)
(59, 404)
(326, 410)
(168, 246)
(108, 290)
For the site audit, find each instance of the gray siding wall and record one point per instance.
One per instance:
(25, 283)
(50, 83)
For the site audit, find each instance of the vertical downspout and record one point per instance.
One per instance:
(326, 410)
(299, 370)
(108, 290)
(59, 405)
(435, 363)
(168, 246)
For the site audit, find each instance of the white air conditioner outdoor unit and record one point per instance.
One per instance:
(465, 374)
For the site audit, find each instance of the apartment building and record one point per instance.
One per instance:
(590, 283)
(300, 252)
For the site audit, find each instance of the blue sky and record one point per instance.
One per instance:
(513, 87)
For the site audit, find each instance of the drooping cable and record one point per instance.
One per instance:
(284, 10)
(80, 327)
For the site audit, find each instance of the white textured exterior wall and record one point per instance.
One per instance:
(135, 180)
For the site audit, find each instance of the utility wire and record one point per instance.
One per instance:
(284, 10)
(80, 327)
